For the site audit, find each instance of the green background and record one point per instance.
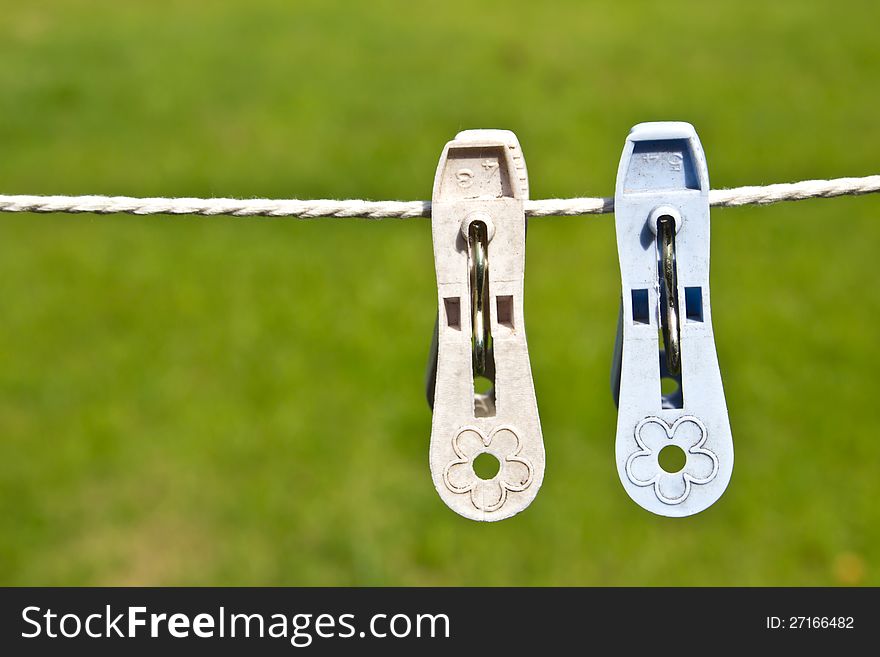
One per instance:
(240, 401)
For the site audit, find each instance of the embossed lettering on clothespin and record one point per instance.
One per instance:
(674, 447)
(479, 378)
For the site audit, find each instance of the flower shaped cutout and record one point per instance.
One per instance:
(652, 435)
(514, 473)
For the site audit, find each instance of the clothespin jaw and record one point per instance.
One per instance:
(478, 226)
(665, 336)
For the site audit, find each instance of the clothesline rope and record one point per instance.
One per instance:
(313, 209)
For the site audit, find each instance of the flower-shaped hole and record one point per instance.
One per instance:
(486, 466)
(671, 457)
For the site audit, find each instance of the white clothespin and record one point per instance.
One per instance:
(661, 208)
(479, 231)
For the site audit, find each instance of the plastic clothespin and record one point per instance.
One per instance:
(661, 208)
(479, 231)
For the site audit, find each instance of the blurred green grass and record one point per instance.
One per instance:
(240, 401)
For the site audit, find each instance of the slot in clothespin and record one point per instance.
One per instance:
(479, 377)
(674, 447)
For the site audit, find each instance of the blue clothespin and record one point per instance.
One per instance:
(661, 207)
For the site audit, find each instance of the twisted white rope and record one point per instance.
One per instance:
(410, 209)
